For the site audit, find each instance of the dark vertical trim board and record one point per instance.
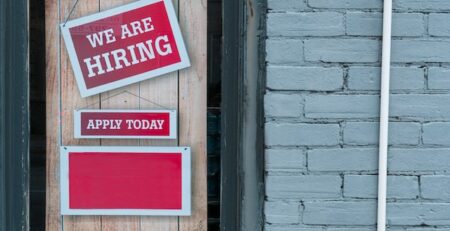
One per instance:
(242, 137)
(14, 121)
(253, 116)
(232, 98)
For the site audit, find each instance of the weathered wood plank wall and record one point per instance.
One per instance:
(184, 90)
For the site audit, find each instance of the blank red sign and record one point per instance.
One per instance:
(116, 180)
(124, 180)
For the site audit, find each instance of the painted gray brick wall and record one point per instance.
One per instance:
(322, 105)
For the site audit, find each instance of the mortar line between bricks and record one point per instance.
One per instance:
(341, 134)
(419, 180)
(285, 173)
(361, 10)
(359, 64)
(360, 92)
(421, 135)
(291, 120)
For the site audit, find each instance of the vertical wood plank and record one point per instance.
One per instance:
(163, 91)
(53, 219)
(192, 104)
(122, 101)
(71, 100)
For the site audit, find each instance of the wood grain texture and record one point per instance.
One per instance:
(122, 101)
(192, 107)
(71, 100)
(164, 92)
(53, 219)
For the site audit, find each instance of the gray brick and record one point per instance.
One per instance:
(304, 78)
(371, 24)
(282, 212)
(428, 229)
(351, 229)
(420, 51)
(286, 160)
(438, 78)
(402, 78)
(439, 24)
(342, 50)
(428, 159)
(284, 51)
(418, 214)
(365, 186)
(283, 105)
(435, 187)
(303, 187)
(339, 213)
(343, 159)
(341, 106)
(289, 228)
(287, 5)
(362, 229)
(305, 24)
(367, 133)
(436, 134)
(346, 4)
(422, 5)
(420, 106)
(302, 134)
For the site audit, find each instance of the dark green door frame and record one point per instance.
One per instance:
(14, 119)
(242, 118)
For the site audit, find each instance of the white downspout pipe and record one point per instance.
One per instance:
(384, 114)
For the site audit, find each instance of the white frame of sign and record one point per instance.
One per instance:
(186, 181)
(84, 92)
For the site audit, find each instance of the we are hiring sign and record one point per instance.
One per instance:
(124, 45)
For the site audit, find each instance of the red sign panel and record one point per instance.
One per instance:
(133, 124)
(124, 45)
(125, 180)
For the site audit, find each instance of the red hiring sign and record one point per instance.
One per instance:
(133, 124)
(125, 181)
(124, 45)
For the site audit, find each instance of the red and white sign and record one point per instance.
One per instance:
(125, 181)
(123, 124)
(124, 45)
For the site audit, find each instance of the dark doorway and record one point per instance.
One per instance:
(214, 111)
(37, 115)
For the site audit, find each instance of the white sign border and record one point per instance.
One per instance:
(172, 117)
(84, 92)
(185, 178)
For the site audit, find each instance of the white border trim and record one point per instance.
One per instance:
(172, 120)
(84, 92)
(185, 187)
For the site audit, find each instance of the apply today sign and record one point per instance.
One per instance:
(124, 45)
(125, 124)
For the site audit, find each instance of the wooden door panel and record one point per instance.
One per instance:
(183, 90)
